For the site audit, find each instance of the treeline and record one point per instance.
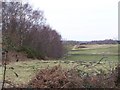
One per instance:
(25, 30)
(71, 42)
(107, 41)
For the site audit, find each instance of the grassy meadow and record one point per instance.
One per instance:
(94, 52)
(85, 60)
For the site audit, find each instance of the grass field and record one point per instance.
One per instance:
(94, 52)
(85, 60)
(27, 69)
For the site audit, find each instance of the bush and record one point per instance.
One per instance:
(56, 77)
(82, 46)
(31, 53)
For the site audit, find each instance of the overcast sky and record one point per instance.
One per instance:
(81, 20)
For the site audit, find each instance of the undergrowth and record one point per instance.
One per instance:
(56, 77)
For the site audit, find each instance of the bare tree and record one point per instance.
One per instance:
(23, 26)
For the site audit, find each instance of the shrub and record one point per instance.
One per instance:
(31, 53)
(82, 46)
(56, 77)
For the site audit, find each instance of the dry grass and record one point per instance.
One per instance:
(56, 77)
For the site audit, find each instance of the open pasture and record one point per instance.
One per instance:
(94, 52)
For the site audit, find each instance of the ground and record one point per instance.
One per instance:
(85, 60)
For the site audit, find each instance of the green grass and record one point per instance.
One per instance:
(94, 52)
(92, 57)
(26, 70)
(112, 51)
(97, 49)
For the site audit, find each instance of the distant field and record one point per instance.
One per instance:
(94, 52)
